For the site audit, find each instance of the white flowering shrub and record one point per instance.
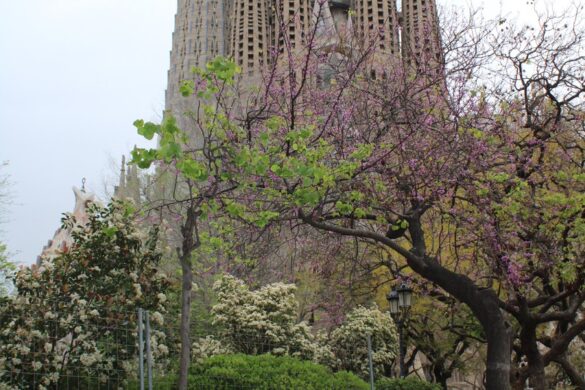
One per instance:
(257, 322)
(206, 347)
(264, 321)
(76, 315)
(348, 342)
(7, 271)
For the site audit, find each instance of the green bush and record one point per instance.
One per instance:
(268, 372)
(405, 384)
(163, 383)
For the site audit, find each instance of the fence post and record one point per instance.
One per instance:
(140, 349)
(369, 338)
(148, 351)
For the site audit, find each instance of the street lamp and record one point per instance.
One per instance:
(404, 296)
(400, 301)
(393, 300)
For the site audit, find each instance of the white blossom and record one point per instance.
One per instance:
(50, 315)
(163, 349)
(89, 359)
(137, 290)
(157, 318)
(161, 297)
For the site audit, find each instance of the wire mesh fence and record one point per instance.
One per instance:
(49, 348)
(45, 347)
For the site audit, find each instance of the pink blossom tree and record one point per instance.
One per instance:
(467, 169)
(438, 165)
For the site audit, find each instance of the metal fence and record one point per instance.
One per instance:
(40, 349)
(45, 348)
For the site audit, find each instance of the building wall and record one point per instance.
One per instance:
(199, 36)
(290, 21)
(247, 30)
(421, 44)
(378, 20)
(249, 34)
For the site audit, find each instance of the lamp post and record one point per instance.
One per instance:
(400, 301)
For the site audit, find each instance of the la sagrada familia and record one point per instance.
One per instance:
(247, 31)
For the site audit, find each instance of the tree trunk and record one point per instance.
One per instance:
(498, 348)
(186, 287)
(529, 346)
(441, 377)
(576, 378)
(485, 306)
(189, 244)
(483, 302)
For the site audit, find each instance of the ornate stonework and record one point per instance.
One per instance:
(250, 31)
(62, 239)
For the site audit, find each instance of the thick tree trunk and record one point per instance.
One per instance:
(189, 244)
(185, 359)
(576, 378)
(483, 302)
(529, 345)
(441, 377)
(498, 349)
(485, 306)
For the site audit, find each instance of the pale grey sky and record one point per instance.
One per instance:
(74, 75)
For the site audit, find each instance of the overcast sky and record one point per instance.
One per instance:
(74, 75)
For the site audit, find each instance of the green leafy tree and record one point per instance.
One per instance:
(74, 315)
(475, 184)
(196, 177)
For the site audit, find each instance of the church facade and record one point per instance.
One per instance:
(250, 31)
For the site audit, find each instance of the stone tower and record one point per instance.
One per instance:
(378, 20)
(291, 22)
(249, 34)
(249, 30)
(421, 42)
(199, 36)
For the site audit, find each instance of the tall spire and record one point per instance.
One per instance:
(325, 29)
(249, 34)
(348, 33)
(377, 21)
(199, 36)
(290, 20)
(133, 184)
(120, 189)
(421, 41)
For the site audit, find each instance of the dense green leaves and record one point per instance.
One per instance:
(147, 130)
(405, 384)
(268, 372)
(144, 158)
(89, 294)
(192, 169)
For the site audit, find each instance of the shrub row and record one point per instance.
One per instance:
(264, 372)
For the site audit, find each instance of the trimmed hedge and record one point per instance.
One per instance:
(268, 372)
(405, 384)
